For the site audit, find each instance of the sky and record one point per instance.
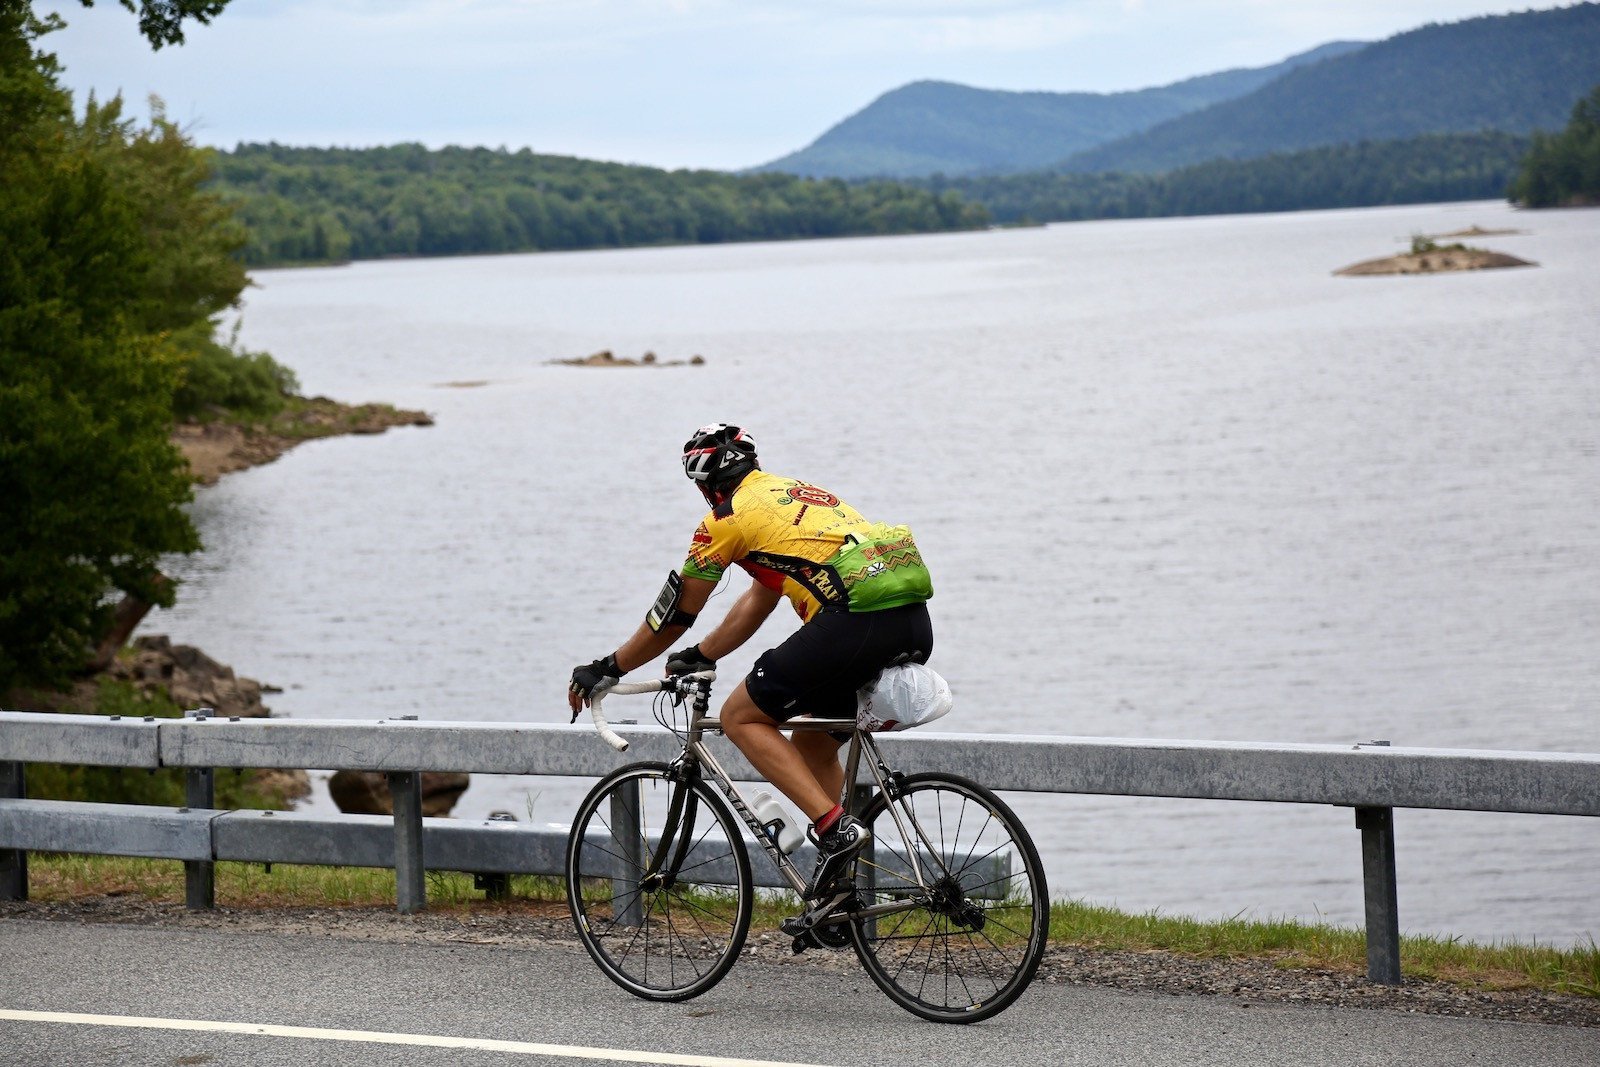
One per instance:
(720, 84)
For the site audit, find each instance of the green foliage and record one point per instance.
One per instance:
(1422, 244)
(307, 205)
(192, 235)
(1419, 170)
(1515, 73)
(194, 273)
(224, 375)
(161, 21)
(1564, 169)
(112, 262)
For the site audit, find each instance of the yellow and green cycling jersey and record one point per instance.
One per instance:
(802, 541)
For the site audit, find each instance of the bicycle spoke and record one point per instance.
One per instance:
(668, 938)
(673, 932)
(983, 960)
(694, 918)
(954, 955)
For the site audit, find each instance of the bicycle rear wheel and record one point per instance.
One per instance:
(658, 882)
(976, 910)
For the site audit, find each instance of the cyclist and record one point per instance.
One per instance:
(861, 589)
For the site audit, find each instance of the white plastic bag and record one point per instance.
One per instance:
(910, 695)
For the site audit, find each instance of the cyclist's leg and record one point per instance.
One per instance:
(821, 753)
(769, 751)
(816, 671)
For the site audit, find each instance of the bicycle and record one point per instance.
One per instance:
(946, 907)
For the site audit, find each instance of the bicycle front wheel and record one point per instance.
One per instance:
(658, 882)
(955, 908)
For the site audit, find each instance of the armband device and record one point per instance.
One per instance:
(665, 611)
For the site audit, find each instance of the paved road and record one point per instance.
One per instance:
(101, 994)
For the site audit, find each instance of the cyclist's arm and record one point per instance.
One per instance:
(742, 620)
(646, 644)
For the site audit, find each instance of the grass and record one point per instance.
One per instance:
(59, 877)
(1506, 965)
(1503, 965)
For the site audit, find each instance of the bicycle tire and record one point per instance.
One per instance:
(974, 943)
(662, 938)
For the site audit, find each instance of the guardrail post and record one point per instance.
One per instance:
(495, 885)
(1383, 912)
(626, 907)
(13, 861)
(411, 891)
(199, 876)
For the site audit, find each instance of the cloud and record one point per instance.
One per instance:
(1021, 31)
(677, 82)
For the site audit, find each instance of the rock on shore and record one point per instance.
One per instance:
(367, 792)
(189, 678)
(220, 447)
(158, 668)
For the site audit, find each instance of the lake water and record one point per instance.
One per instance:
(1174, 479)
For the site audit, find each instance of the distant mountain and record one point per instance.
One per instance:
(1513, 73)
(931, 127)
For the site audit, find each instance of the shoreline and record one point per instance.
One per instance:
(184, 676)
(223, 445)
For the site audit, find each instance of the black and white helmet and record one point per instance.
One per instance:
(716, 457)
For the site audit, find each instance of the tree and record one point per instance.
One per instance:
(112, 260)
(1564, 169)
(161, 21)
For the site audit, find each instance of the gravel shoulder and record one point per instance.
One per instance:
(530, 925)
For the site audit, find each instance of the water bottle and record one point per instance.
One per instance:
(775, 822)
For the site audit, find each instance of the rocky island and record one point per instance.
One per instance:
(1429, 257)
(606, 358)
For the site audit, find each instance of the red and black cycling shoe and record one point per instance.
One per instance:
(836, 847)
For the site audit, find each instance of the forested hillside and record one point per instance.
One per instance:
(1515, 73)
(1564, 171)
(1423, 169)
(321, 204)
(932, 127)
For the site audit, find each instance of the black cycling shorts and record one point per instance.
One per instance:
(818, 669)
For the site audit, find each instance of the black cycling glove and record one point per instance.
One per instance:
(689, 661)
(600, 675)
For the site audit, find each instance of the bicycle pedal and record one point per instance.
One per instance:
(801, 943)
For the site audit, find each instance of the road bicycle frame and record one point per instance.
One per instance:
(698, 761)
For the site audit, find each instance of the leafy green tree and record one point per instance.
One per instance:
(1564, 169)
(161, 21)
(112, 262)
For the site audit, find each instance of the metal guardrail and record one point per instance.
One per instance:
(1372, 778)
